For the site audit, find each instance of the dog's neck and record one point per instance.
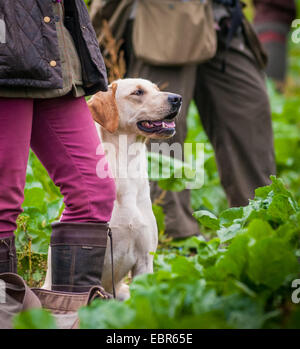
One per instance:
(126, 155)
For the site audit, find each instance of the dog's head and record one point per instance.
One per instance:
(136, 106)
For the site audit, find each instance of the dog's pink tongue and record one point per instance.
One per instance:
(157, 123)
(170, 124)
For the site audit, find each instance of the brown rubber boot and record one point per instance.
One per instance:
(77, 255)
(8, 255)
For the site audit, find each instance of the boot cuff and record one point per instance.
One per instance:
(89, 234)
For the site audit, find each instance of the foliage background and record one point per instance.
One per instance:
(239, 276)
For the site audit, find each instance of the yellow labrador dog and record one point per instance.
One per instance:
(132, 111)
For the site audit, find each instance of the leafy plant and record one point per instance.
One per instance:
(244, 283)
(43, 204)
(241, 279)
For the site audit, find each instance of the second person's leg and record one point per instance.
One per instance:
(235, 111)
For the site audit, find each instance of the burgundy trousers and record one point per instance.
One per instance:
(62, 134)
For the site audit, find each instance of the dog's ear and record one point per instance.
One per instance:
(104, 110)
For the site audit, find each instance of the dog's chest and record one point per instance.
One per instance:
(134, 216)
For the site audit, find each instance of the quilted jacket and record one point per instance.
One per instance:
(29, 54)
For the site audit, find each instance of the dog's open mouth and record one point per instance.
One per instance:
(161, 126)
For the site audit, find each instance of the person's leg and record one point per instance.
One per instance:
(65, 139)
(234, 108)
(15, 126)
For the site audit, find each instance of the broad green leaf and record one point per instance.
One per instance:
(208, 219)
(271, 263)
(34, 319)
(105, 315)
(35, 197)
(280, 208)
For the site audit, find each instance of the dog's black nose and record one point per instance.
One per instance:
(175, 100)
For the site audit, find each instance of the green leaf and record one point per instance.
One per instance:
(54, 209)
(34, 319)
(35, 197)
(184, 266)
(280, 208)
(272, 263)
(228, 217)
(105, 315)
(233, 263)
(227, 234)
(208, 252)
(208, 219)
(262, 192)
(160, 217)
(259, 229)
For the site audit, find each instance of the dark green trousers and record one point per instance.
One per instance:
(235, 113)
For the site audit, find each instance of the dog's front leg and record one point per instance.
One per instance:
(143, 266)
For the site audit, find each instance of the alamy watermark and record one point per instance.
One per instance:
(296, 31)
(132, 160)
(2, 292)
(296, 293)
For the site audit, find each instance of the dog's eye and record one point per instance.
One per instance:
(138, 92)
